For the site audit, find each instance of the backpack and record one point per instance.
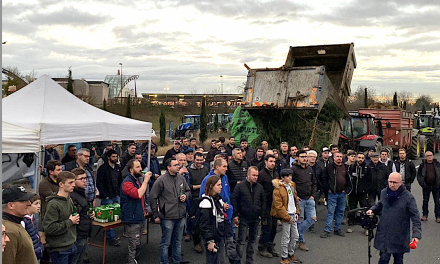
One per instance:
(194, 211)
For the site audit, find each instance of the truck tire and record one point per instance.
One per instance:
(414, 151)
(189, 134)
(436, 146)
(430, 144)
(378, 146)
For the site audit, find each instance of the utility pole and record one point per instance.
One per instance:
(121, 82)
(221, 76)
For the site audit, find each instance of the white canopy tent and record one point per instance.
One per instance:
(60, 117)
(17, 139)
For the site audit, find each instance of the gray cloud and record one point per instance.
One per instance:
(68, 16)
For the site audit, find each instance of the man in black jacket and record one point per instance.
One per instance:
(338, 185)
(258, 158)
(108, 182)
(237, 169)
(360, 176)
(230, 146)
(306, 187)
(428, 177)
(379, 178)
(266, 246)
(128, 155)
(84, 228)
(248, 201)
(172, 152)
(250, 152)
(406, 168)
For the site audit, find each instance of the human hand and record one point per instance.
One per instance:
(416, 239)
(370, 212)
(74, 219)
(226, 206)
(291, 220)
(147, 177)
(183, 198)
(156, 176)
(157, 220)
(92, 216)
(211, 246)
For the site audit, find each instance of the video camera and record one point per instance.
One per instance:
(366, 221)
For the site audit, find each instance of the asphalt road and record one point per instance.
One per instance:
(353, 248)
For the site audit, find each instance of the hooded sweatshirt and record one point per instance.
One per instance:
(225, 193)
(59, 229)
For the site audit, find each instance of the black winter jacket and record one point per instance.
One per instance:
(329, 178)
(360, 177)
(305, 180)
(248, 201)
(210, 228)
(265, 179)
(236, 172)
(410, 172)
(379, 177)
(421, 174)
(107, 184)
(84, 228)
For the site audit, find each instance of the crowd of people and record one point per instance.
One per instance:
(220, 202)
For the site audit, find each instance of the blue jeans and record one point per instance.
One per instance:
(81, 246)
(335, 209)
(172, 231)
(64, 257)
(110, 233)
(307, 209)
(385, 258)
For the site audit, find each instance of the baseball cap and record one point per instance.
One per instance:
(189, 150)
(375, 154)
(16, 194)
(325, 149)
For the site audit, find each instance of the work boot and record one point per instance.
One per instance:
(350, 229)
(187, 238)
(294, 259)
(424, 218)
(272, 250)
(285, 261)
(437, 220)
(325, 234)
(198, 248)
(339, 233)
(303, 247)
(265, 253)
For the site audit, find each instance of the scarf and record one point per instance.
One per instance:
(393, 196)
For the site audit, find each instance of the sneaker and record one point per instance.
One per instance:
(285, 261)
(145, 232)
(325, 234)
(437, 220)
(339, 233)
(424, 218)
(125, 234)
(265, 253)
(187, 238)
(344, 221)
(366, 232)
(294, 259)
(114, 242)
(198, 248)
(303, 247)
(350, 229)
(312, 229)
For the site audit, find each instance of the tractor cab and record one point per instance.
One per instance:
(359, 131)
(190, 124)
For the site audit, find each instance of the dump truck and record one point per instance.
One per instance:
(389, 129)
(310, 76)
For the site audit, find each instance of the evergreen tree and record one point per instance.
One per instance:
(404, 105)
(423, 109)
(215, 124)
(162, 128)
(70, 81)
(366, 98)
(203, 122)
(128, 113)
(395, 103)
(104, 105)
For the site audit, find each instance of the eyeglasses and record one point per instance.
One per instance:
(428, 155)
(304, 157)
(4, 235)
(87, 156)
(82, 179)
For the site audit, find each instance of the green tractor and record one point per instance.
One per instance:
(426, 125)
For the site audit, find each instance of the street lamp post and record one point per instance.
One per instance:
(221, 76)
(166, 92)
(121, 81)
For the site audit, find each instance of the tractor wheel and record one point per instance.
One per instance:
(436, 146)
(414, 151)
(430, 144)
(423, 146)
(189, 134)
(378, 146)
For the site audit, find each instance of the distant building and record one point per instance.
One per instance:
(232, 100)
(115, 82)
(93, 92)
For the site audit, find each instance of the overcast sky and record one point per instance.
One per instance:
(186, 45)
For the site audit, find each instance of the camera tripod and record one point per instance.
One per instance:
(370, 237)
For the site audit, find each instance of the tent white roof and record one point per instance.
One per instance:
(60, 117)
(16, 139)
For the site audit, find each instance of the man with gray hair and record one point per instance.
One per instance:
(82, 161)
(237, 169)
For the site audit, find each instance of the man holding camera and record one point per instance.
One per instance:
(397, 208)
